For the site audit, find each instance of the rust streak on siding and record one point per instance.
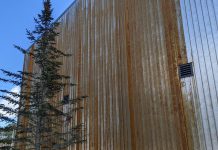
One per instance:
(129, 63)
(125, 57)
(174, 59)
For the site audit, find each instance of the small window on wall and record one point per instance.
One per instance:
(186, 70)
(65, 99)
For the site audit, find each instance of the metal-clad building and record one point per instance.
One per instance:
(126, 56)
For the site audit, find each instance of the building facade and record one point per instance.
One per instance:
(126, 56)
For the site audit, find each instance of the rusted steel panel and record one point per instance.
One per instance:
(125, 57)
(23, 121)
(174, 59)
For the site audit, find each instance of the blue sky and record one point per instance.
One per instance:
(17, 16)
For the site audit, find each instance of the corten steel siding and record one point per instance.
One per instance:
(125, 57)
(22, 120)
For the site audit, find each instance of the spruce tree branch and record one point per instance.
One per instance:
(8, 110)
(10, 74)
(10, 100)
(17, 83)
(7, 119)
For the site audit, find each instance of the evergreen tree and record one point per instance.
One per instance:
(40, 114)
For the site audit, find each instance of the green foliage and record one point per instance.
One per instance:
(39, 119)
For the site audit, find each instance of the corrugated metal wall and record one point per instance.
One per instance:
(22, 120)
(125, 57)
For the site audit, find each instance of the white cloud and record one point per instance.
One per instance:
(15, 89)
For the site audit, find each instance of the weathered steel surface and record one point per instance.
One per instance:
(125, 57)
(22, 120)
